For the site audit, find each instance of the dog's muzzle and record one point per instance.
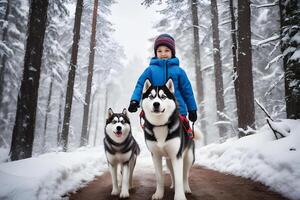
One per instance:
(156, 108)
(119, 131)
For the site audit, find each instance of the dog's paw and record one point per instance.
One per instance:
(187, 189)
(158, 195)
(124, 194)
(115, 192)
(179, 197)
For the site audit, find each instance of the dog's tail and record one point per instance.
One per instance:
(198, 135)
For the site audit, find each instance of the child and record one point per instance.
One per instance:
(162, 67)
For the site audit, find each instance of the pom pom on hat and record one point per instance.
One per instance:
(165, 40)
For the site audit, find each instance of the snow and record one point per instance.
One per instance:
(259, 157)
(50, 175)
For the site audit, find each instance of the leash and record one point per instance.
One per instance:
(142, 115)
(193, 132)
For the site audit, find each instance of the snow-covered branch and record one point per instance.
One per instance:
(274, 60)
(268, 40)
(275, 3)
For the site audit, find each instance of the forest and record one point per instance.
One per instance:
(60, 62)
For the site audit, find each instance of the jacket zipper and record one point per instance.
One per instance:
(166, 71)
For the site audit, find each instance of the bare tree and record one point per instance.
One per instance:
(199, 78)
(290, 30)
(23, 132)
(71, 77)
(244, 79)
(84, 133)
(218, 67)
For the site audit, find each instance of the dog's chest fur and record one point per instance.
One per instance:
(162, 146)
(118, 157)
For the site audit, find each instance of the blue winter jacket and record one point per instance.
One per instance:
(158, 72)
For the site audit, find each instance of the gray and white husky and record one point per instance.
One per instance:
(165, 137)
(121, 151)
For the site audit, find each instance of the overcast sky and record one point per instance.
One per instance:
(133, 23)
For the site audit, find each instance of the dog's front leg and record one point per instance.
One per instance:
(125, 182)
(113, 172)
(178, 171)
(159, 193)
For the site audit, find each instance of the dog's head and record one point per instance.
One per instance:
(158, 102)
(117, 125)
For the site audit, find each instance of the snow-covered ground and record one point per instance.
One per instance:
(260, 157)
(50, 175)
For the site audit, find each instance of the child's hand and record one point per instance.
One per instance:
(193, 116)
(133, 106)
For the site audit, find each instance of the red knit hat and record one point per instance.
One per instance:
(165, 40)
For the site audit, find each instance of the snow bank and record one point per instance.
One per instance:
(50, 175)
(260, 157)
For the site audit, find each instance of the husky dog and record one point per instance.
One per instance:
(121, 151)
(165, 137)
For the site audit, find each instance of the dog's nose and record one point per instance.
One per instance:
(119, 128)
(156, 105)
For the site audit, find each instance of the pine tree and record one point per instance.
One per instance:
(71, 77)
(23, 132)
(13, 28)
(234, 47)
(84, 133)
(199, 78)
(290, 47)
(244, 80)
(218, 66)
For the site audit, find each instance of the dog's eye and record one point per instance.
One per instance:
(151, 96)
(114, 121)
(163, 96)
(123, 121)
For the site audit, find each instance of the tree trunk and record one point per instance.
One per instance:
(84, 134)
(290, 30)
(23, 131)
(244, 80)
(71, 78)
(3, 61)
(48, 110)
(59, 123)
(218, 67)
(97, 119)
(91, 115)
(234, 56)
(199, 79)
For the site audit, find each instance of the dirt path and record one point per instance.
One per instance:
(205, 185)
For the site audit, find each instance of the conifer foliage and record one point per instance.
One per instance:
(290, 46)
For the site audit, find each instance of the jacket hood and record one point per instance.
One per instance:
(161, 62)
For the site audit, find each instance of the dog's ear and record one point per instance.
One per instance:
(170, 85)
(110, 113)
(147, 85)
(124, 112)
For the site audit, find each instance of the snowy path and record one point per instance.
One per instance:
(205, 184)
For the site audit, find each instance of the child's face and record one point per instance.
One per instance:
(163, 52)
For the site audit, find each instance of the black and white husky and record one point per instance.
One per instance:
(165, 137)
(121, 151)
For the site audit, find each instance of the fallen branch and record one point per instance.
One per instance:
(263, 109)
(277, 130)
